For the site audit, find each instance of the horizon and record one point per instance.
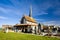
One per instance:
(46, 12)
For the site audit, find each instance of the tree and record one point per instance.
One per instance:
(39, 28)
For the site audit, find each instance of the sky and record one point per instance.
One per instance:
(43, 11)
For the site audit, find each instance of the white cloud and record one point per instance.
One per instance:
(42, 13)
(15, 2)
(45, 6)
(9, 11)
(5, 10)
(39, 19)
(2, 17)
(52, 23)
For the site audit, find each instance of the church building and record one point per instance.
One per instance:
(27, 24)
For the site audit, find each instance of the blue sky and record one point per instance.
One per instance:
(44, 11)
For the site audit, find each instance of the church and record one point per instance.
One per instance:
(27, 24)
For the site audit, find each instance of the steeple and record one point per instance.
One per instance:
(30, 11)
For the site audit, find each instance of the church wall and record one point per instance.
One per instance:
(27, 22)
(33, 27)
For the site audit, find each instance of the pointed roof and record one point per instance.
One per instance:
(29, 19)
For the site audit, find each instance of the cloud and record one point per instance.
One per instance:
(2, 17)
(52, 23)
(39, 19)
(42, 13)
(9, 11)
(15, 2)
(45, 22)
(44, 5)
(3, 10)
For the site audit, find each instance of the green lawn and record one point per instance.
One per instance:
(20, 36)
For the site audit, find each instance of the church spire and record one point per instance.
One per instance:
(30, 11)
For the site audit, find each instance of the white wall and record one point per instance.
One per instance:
(27, 22)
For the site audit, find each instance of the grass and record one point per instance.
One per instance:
(20, 36)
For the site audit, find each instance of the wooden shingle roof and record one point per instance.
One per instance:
(29, 19)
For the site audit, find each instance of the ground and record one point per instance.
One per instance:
(22, 36)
